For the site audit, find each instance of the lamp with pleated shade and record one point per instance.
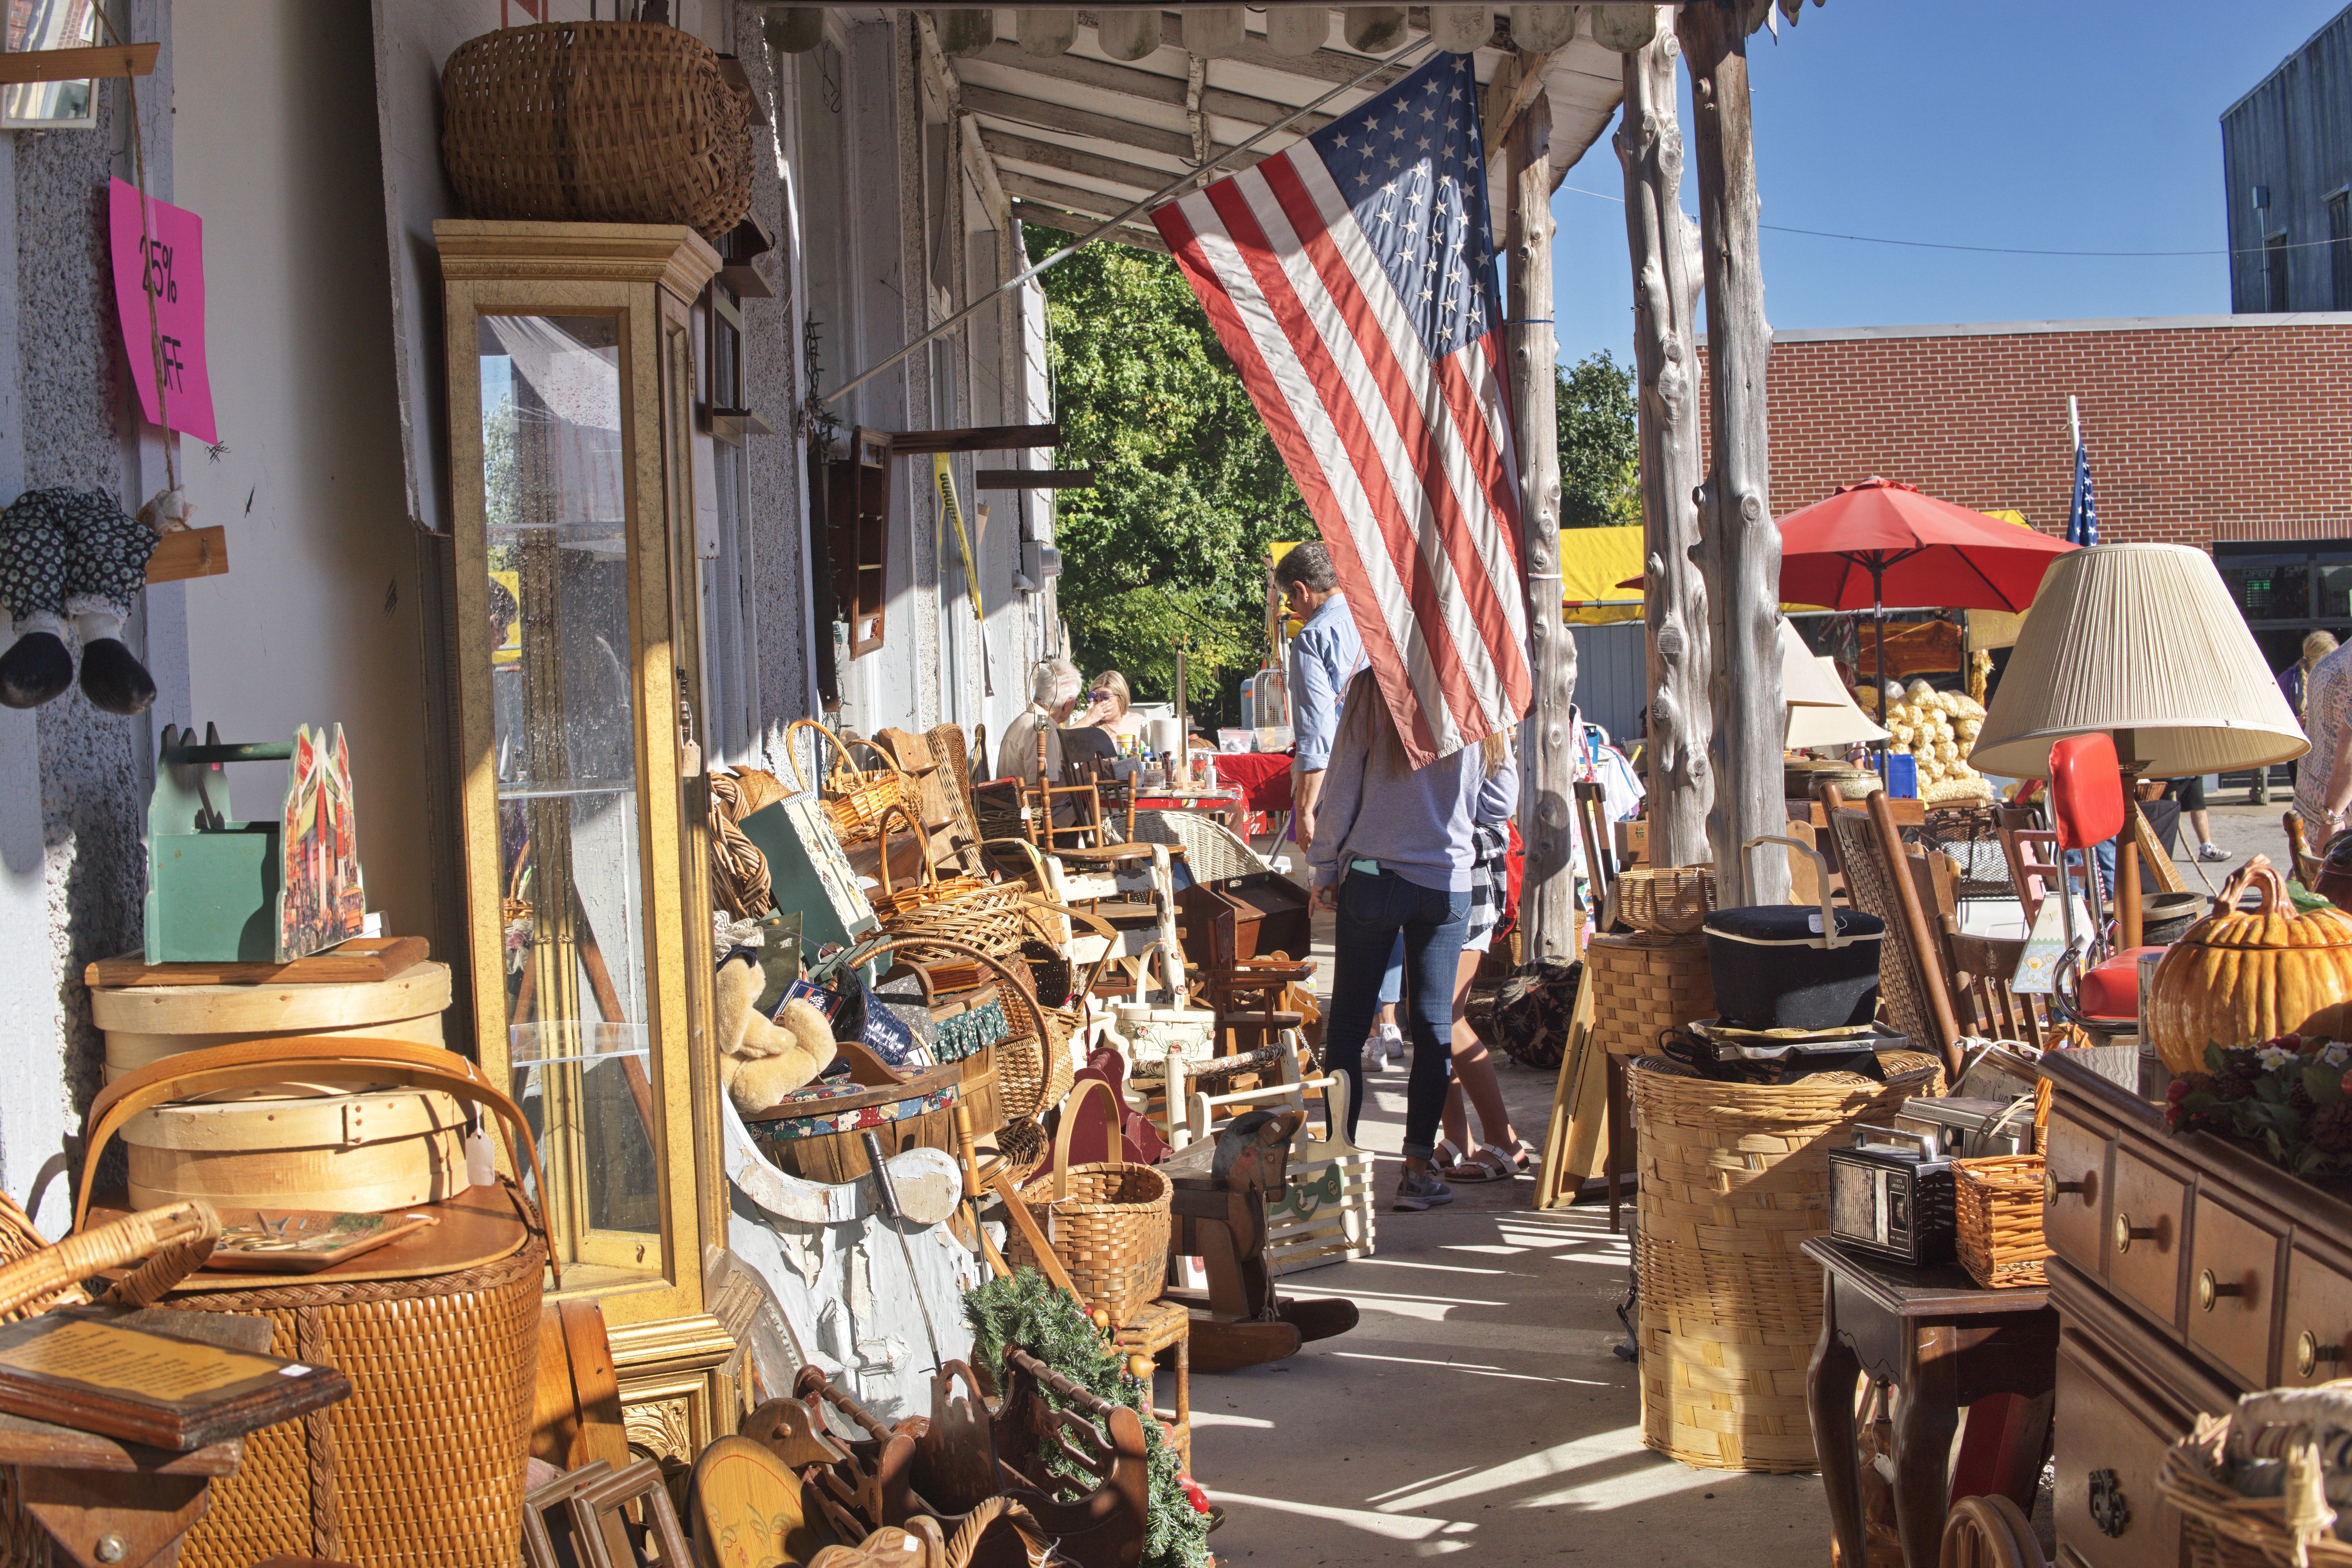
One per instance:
(2143, 642)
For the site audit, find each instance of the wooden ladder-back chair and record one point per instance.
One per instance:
(2033, 860)
(1980, 969)
(1880, 880)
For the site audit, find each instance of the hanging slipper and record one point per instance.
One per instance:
(38, 667)
(106, 565)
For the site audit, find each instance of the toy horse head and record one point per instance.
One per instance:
(1254, 1150)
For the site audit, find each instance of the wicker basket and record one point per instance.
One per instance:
(595, 122)
(423, 1465)
(2219, 1529)
(1734, 1180)
(1670, 899)
(1108, 1223)
(854, 801)
(2000, 1201)
(1644, 985)
(1032, 1068)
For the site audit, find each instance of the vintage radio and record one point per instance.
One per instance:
(1966, 1127)
(1255, 915)
(1893, 1199)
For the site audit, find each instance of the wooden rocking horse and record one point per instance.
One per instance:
(1219, 1215)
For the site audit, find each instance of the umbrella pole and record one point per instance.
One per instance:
(1878, 619)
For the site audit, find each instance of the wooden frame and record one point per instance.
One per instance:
(645, 279)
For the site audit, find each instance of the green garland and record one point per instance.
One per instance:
(1026, 1311)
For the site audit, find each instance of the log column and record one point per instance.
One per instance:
(1547, 901)
(1663, 245)
(1740, 549)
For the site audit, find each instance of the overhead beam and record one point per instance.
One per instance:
(991, 104)
(1148, 87)
(1140, 177)
(1062, 222)
(1096, 205)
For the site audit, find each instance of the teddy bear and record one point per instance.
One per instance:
(760, 1062)
(72, 554)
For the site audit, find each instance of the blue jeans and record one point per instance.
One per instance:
(1374, 909)
(1393, 982)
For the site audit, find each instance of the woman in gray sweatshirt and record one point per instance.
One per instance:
(1393, 853)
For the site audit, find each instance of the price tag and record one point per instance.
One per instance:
(169, 261)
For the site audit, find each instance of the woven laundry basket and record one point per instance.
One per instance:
(595, 122)
(1734, 1180)
(1644, 983)
(423, 1465)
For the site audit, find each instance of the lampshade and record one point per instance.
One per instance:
(1814, 724)
(1806, 681)
(2142, 641)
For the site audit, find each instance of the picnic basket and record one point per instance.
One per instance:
(1106, 1222)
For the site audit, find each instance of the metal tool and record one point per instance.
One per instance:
(890, 1195)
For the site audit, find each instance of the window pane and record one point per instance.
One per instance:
(2270, 592)
(2335, 592)
(564, 698)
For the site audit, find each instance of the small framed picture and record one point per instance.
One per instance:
(50, 105)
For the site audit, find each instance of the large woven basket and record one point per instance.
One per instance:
(1644, 985)
(423, 1465)
(1670, 899)
(1734, 1180)
(1108, 1222)
(1999, 1200)
(1033, 1064)
(2219, 1529)
(595, 122)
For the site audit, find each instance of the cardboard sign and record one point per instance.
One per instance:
(169, 260)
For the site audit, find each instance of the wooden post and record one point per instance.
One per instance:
(1663, 245)
(1548, 764)
(1740, 554)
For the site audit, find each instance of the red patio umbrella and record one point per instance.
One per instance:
(1879, 541)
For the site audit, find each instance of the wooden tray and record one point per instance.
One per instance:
(478, 1227)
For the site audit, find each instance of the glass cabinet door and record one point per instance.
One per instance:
(565, 724)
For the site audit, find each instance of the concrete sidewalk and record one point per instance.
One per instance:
(1478, 1406)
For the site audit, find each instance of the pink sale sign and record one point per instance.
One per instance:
(169, 261)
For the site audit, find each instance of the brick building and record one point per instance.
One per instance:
(2229, 432)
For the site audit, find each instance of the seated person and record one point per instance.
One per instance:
(1053, 694)
(1110, 710)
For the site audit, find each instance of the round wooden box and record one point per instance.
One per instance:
(361, 1153)
(145, 1023)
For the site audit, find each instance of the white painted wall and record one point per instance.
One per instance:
(318, 617)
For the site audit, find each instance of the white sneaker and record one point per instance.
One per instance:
(1389, 1042)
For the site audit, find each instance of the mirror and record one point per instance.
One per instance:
(50, 105)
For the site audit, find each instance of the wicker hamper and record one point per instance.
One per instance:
(595, 122)
(423, 1465)
(1733, 1180)
(1644, 983)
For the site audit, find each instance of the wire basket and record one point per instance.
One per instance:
(595, 122)
(2000, 1205)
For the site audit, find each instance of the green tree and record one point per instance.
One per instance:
(1189, 491)
(1600, 445)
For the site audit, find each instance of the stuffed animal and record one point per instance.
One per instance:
(72, 552)
(760, 1062)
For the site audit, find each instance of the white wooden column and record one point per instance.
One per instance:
(1740, 554)
(1546, 770)
(1664, 246)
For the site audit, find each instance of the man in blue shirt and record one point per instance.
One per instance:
(1324, 656)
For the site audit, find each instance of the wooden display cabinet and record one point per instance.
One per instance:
(572, 373)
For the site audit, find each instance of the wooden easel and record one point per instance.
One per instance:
(1572, 1149)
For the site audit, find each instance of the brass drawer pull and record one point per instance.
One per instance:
(2052, 1186)
(2126, 1233)
(2211, 1289)
(2310, 1354)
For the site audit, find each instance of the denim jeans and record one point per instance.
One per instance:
(1392, 983)
(1373, 910)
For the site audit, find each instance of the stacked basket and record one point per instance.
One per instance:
(1734, 1180)
(1644, 984)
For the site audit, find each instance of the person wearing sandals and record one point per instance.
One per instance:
(1503, 1154)
(1392, 854)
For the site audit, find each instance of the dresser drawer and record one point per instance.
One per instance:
(2075, 1178)
(2315, 1340)
(2143, 1237)
(2109, 1441)
(2233, 1279)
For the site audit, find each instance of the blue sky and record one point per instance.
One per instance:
(2068, 126)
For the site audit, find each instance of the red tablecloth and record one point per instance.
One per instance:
(1263, 777)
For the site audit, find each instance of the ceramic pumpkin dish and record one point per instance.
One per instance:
(2238, 977)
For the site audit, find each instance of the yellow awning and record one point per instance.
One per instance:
(1592, 561)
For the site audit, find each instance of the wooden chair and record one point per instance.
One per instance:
(1881, 880)
(2033, 860)
(1600, 855)
(1979, 969)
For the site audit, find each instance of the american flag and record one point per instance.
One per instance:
(2083, 520)
(1351, 279)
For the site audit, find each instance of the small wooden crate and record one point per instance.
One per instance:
(2000, 1202)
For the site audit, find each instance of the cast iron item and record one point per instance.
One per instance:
(1781, 966)
(1894, 1199)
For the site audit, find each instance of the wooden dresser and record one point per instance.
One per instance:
(2185, 1273)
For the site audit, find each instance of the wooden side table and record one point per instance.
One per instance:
(1946, 1343)
(1160, 1326)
